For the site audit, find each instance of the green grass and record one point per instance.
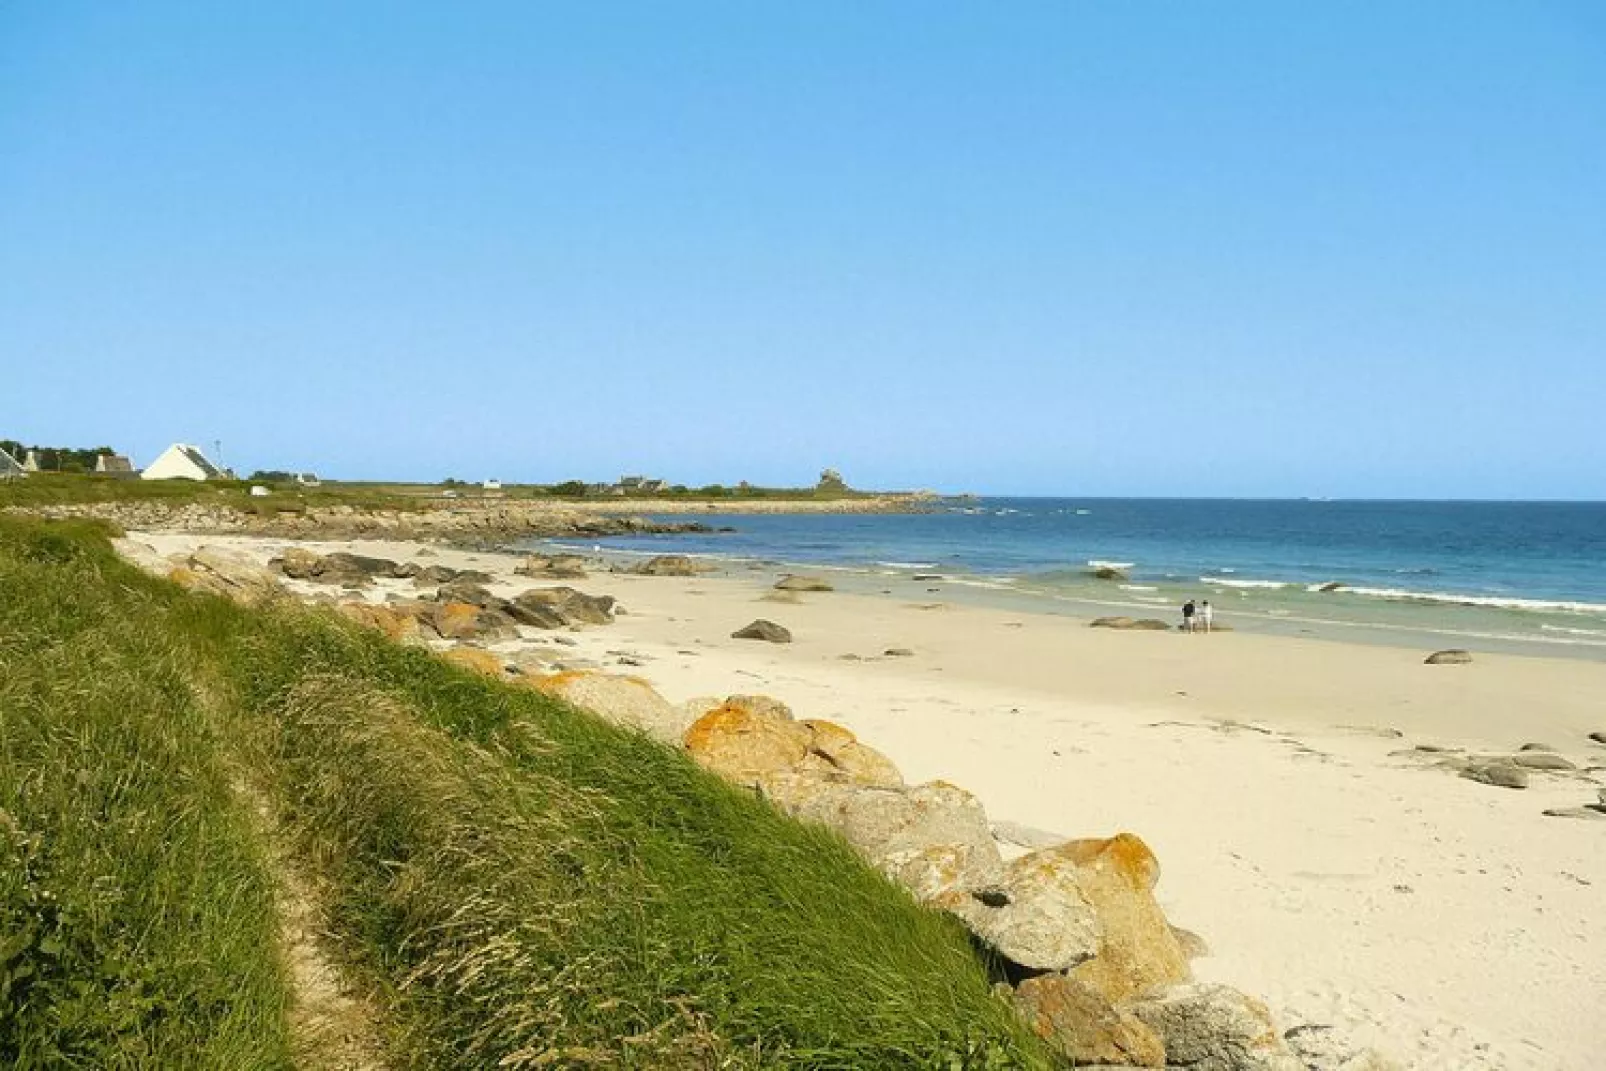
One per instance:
(57, 489)
(137, 924)
(519, 883)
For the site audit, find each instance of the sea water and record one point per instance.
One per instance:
(1527, 576)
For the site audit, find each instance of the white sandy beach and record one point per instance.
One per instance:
(1333, 870)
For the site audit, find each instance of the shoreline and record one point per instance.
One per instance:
(1331, 862)
(1087, 602)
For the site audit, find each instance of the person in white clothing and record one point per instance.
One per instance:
(1207, 614)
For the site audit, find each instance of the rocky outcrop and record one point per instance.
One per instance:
(288, 518)
(553, 566)
(1215, 1028)
(1085, 907)
(626, 701)
(224, 572)
(1453, 657)
(477, 659)
(399, 624)
(750, 740)
(669, 565)
(560, 607)
(803, 583)
(1500, 774)
(1084, 1027)
(1138, 949)
(768, 631)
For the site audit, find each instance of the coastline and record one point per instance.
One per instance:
(1330, 860)
(473, 522)
(1330, 611)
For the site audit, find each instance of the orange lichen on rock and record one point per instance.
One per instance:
(1124, 853)
(477, 659)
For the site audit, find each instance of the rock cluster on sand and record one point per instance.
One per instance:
(1452, 657)
(803, 583)
(669, 565)
(553, 566)
(761, 629)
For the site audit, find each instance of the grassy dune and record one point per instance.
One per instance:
(517, 883)
(134, 909)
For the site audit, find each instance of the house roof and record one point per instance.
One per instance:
(113, 463)
(193, 455)
(9, 465)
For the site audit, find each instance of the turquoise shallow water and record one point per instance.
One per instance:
(1521, 576)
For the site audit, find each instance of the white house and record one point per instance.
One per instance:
(491, 485)
(10, 466)
(182, 462)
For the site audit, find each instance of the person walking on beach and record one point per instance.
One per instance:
(1187, 616)
(1206, 615)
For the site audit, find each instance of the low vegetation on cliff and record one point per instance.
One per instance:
(502, 880)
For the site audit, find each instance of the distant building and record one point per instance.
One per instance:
(259, 491)
(183, 462)
(308, 479)
(31, 462)
(10, 467)
(491, 485)
(114, 465)
(632, 485)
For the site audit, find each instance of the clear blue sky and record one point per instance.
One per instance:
(1090, 248)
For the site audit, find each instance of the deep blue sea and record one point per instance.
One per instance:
(1530, 574)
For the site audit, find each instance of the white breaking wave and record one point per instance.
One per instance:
(1096, 563)
(1497, 602)
(1226, 583)
(909, 565)
(1599, 634)
(1136, 587)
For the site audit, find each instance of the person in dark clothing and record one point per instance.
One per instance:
(1187, 616)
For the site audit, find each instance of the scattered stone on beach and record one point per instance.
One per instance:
(1501, 774)
(1589, 811)
(1320, 1047)
(1542, 760)
(1536, 747)
(627, 701)
(433, 575)
(928, 576)
(1599, 738)
(1455, 656)
(790, 598)
(1330, 586)
(1107, 572)
(1146, 624)
(1083, 1026)
(803, 583)
(761, 629)
(554, 566)
(1216, 1027)
(898, 652)
(669, 565)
